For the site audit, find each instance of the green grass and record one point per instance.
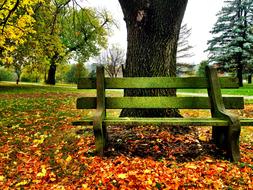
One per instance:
(12, 88)
(246, 90)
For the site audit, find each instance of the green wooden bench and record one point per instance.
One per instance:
(225, 126)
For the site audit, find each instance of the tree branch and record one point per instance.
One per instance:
(4, 22)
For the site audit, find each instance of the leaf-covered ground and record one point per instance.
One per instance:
(40, 149)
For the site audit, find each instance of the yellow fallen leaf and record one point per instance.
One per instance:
(147, 171)
(2, 177)
(21, 183)
(202, 137)
(150, 182)
(122, 176)
(68, 159)
(43, 171)
(194, 179)
(52, 179)
(85, 186)
(209, 160)
(191, 166)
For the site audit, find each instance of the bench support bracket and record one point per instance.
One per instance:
(99, 128)
(223, 137)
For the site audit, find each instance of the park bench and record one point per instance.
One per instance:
(225, 126)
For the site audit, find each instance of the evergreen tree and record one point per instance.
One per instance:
(232, 43)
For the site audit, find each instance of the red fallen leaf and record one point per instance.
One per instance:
(156, 148)
(5, 148)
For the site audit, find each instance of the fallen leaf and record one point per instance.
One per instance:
(122, 176)
(191, 166)
(43, 171)
(21, 183)
(68, 159)
(2, 177)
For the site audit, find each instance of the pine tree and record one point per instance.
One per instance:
(232, 42)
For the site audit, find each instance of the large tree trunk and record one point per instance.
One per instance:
(152, 34)
(51, 74)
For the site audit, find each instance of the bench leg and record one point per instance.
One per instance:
(219, 136)
(105, 135)
(228, 138)
(100, 140)
(233, 145)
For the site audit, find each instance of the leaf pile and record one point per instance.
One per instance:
(39, 148)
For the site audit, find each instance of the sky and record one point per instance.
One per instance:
(200, 16)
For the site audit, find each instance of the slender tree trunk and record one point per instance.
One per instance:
(239, 75)
(152, 34)
(52, 70)
(249, 78)
(18, 73)
(239, 71)
(18, 79)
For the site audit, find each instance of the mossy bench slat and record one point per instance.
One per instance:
(225, 126)
(158, 102)
(156, 82)
(165, 121)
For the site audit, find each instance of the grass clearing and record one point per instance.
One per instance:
(246, 90)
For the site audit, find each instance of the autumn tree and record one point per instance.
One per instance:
(53, 29)
(16, 23)
(152, 34)
(83, 32)
(113, 59)
(232, 42)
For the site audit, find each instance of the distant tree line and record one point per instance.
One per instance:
(39, 36)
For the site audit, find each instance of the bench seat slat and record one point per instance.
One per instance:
(156, 82)
(165, 121)
(246, 121)
(159, 102)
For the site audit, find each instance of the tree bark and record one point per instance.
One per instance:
(152, 34)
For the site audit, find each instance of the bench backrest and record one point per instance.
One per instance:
(101, 83)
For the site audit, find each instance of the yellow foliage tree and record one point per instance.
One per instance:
(16, 23)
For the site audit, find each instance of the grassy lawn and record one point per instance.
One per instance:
(246, 90)
(39, 148)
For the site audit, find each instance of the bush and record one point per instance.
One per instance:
(75, 72)
(6, 75)
(30, 77)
